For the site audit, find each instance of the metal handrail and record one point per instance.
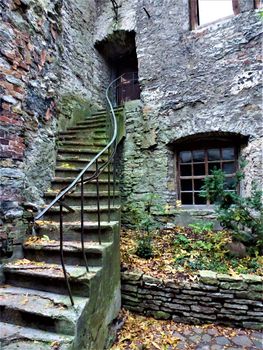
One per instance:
(110, 148)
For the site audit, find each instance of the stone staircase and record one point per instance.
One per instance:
(35, 309)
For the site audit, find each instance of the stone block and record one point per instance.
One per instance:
(235, 306)
(161, 315)
(253, 325)
(234, 285)
(151, 281)
(229, 278)
(131, 276)
(208, 277)
(203, 309)
(252, 278)
(174, 306)
(129, 288)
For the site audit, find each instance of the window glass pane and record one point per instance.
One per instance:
(186, 185)
(212, 10)
(228, 153)
(199, 169)
(229, 183)
(213, 166)
(187, 198)
(185, 157)
(186, 170)
(199, 156)
(198, 183)
(229, 168)
(198, 199)
(213, 154)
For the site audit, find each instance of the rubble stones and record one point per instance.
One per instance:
(159, 298)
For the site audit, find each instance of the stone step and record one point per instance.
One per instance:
(85, 144)
(89, 197)
(78, 130)
(72, 230)
(80, 151)
(93, 127)
(13, 337)
(49, 277)
(89, 213)
(59, 183)
(41, 310)
(72, 172)
(49, 252)
(71, 160)
(93, 123)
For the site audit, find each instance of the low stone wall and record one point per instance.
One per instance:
(213, 297)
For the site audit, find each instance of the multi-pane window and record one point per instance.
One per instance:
(207, 11)
(195, 165)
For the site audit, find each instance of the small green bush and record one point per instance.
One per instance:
(242, 216)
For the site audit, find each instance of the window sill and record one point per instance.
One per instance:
(214, 23)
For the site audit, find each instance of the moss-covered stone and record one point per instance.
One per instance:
(72, 109)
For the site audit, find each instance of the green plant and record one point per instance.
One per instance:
(145, 223)
(144, 247)
(242, 216)
(200, 227)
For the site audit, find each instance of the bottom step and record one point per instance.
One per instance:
(23, 338)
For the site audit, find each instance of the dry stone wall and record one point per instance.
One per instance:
(213, 297)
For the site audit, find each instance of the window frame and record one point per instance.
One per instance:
(205, 145)
(258, 4)
(195, 18)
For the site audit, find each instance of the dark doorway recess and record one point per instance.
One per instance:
(119, 50)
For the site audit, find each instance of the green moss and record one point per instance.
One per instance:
(72, 109)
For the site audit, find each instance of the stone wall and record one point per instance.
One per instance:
(202, 81)
(30, 37)
(50, 75)
(213, 297)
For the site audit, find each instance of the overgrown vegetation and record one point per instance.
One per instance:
(237, 248)
(144, 224)
(241, 216)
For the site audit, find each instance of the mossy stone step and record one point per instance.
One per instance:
(72, 230)
(42, 310)
(49, 252)
(89, 197)
(13, 337)
(50, 277)
(89, 213)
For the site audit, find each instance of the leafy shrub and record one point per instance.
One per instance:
(242, 216)
(144, 248)
(200, 227)
(145, 224)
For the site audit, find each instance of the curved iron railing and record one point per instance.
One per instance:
(109, 150)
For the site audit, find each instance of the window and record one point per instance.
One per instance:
(258, 4)
(207, 11)
(195, 164)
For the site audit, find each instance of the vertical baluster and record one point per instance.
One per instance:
(109, 199)
(114, 175)
(82, 223)
(98, 201)
(62, 253)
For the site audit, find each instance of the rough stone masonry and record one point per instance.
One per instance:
(213, 297)
(203, 81)
(49, 69)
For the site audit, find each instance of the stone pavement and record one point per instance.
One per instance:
(219, 338)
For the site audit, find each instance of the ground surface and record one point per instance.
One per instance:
(181, 252)
(146, 333)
